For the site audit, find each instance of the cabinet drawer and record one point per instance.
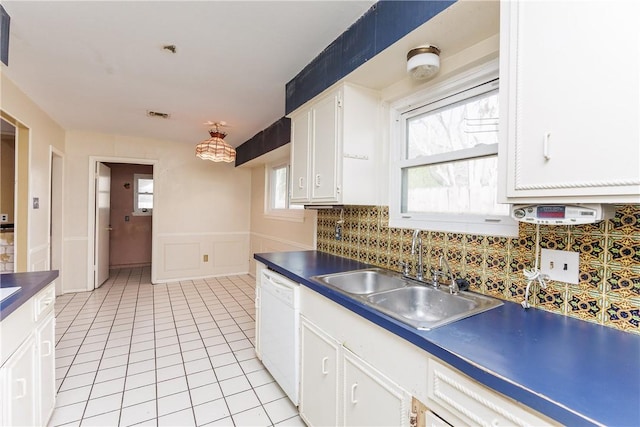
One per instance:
(43, 302)
(475, 403)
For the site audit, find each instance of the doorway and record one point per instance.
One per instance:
(55, 216)
(128, 240)
(7, 196)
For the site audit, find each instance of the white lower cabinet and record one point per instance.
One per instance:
(17, 377)
(45, 338)
(27, 362)
(338, 388)
(370, 399)
(319, 387)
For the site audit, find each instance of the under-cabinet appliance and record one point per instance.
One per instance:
(559, 214)
(279, 331)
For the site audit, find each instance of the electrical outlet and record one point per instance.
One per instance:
(4, 217)
(338, 231)
(562, 266)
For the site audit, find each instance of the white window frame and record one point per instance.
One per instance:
(289, 214)
(137, 211)
(436, 96)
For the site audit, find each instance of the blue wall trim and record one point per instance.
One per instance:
(276, 135)
(5, 21)
(383, 24)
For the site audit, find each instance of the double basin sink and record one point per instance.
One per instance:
(419, 305)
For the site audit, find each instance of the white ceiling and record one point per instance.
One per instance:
(100, 66)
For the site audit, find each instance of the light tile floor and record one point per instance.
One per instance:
(177, 354)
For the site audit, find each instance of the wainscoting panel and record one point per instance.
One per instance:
(186, 256)
(181, 256)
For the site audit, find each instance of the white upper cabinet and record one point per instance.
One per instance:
(300, 137)
(569, 101)
(335, 148)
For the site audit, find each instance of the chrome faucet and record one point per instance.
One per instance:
(417, 239)
(453, 287)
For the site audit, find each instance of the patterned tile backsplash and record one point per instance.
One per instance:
(609, 288)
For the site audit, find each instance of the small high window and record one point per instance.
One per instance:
(142, 194)
(277, 203)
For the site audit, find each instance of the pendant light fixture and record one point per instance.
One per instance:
(215, 148)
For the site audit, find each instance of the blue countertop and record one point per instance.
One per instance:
(31, 283)
(573, 371)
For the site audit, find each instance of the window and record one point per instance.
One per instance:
(444, 169)
(277, 194)
(142, 194)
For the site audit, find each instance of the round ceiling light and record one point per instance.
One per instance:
(423, 62)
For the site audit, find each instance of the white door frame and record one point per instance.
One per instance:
(103, 225)
(56, 213)
(91, 211)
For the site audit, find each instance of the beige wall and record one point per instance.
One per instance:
(130, 236)
(202, 208)
(43, 135)
(275, 235)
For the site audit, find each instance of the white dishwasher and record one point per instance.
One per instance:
(279, 331)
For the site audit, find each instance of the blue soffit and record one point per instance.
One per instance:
(5, 21)
(383, 24)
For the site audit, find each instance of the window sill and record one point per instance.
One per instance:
(292, 215)
(138, 213)
(467, 224)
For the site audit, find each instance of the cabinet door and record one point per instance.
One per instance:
(45, 336)
(18, 387)
(300, 151)
(318, 377)
(370, 399)
(570, 99)
(324, 185)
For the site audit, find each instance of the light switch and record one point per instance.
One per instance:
(562, 266)
(126, 218)
(36, 203)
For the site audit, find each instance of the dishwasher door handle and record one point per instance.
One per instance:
(277, 283)
(279, 286)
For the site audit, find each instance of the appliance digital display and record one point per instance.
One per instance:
(551, 212)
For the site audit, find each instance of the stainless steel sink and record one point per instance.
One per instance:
(361, 282)
(427, 307)
(419, 305)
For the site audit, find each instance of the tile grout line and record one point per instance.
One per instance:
(227, 300)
